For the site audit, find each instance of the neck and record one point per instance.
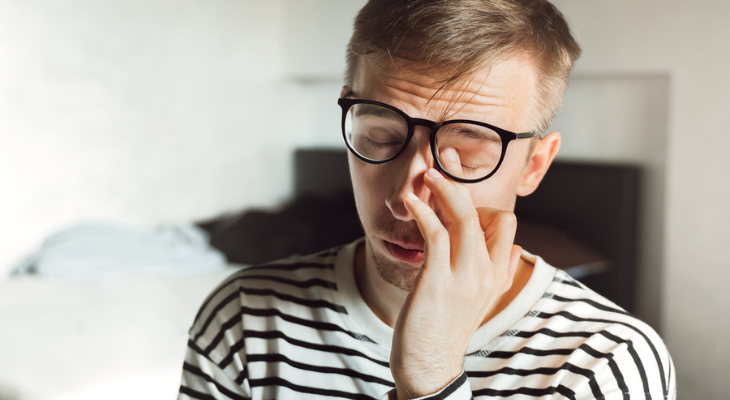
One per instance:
(386, 300)
(383, 298)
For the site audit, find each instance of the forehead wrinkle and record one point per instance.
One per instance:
(450, 101)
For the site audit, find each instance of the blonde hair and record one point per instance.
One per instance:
(454, 39)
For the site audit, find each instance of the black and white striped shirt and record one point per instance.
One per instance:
(298, 329)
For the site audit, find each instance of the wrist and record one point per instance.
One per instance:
(417, 384)
(457, 388)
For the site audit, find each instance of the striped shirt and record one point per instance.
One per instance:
(298, 329)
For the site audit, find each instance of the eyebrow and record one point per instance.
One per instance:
(466, 129)
(378, 111)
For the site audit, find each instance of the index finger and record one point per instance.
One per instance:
(457, 213)
(451, 162)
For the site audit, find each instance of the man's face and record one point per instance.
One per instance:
(501, 97)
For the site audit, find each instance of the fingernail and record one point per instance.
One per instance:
(449, 154)
(412, 196)
(434, 174)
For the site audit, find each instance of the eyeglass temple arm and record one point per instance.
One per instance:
(524, 135)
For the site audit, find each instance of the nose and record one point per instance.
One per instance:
(407, 173)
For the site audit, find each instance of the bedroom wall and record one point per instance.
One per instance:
(145, 113)
(137, 112)
(622, 118)
(688, 42)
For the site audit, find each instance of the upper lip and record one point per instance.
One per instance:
(408, 245)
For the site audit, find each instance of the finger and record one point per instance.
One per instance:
(499, 232)
(457, 213)
(451, 162)
(509, 275)
(514, 260)
(437, 251)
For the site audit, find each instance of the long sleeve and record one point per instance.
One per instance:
(458, 389)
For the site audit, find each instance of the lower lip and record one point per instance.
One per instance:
(407, 255)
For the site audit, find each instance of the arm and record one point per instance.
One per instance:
(203, 378)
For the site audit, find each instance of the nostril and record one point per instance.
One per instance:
(398, 208)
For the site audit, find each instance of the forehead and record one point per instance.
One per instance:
(502, 95)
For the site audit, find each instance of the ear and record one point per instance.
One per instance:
(345, 89)
(537, 165)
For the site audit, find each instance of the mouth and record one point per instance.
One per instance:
(405, 252)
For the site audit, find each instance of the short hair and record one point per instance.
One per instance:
(454, 39)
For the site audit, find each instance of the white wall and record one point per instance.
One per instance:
(140, 112)
(622, 118)
(688, 41)
(148, 112)
(152, 111)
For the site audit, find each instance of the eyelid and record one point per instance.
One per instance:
(472, 133)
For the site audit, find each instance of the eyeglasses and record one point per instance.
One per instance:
(378, 133)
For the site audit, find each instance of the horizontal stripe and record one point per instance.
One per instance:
(221, 389)
(272, 312)
(517, 372)
(249, 358)
(526, 392)
(290, 267)
(293, 299)
(277, 358)
(273, 266)
(552, 333)
(593, 303)
(568, 282)
(276, 381)
(267, 292)
(524, 350)
(635, 356)
(195, 394)
(312, 346)
(584, 347)
(291, 282)
(268, 335)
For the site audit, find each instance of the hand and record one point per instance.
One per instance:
(470, 261)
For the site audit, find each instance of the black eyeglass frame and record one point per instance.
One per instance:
(505, 135)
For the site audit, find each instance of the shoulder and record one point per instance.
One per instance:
(607, 338)
(265, 290)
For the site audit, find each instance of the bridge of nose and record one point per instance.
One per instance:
(411, 166)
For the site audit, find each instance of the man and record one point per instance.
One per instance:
(444, 112)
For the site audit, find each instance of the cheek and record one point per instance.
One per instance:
(365, 184)
(499, 191)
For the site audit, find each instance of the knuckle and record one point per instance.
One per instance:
(507, 219)
(439, 235)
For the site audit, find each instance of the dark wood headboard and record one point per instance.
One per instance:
(582, 218)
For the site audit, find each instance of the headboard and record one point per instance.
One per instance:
(582, 218)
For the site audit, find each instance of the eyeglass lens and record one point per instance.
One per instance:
(379, 133)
